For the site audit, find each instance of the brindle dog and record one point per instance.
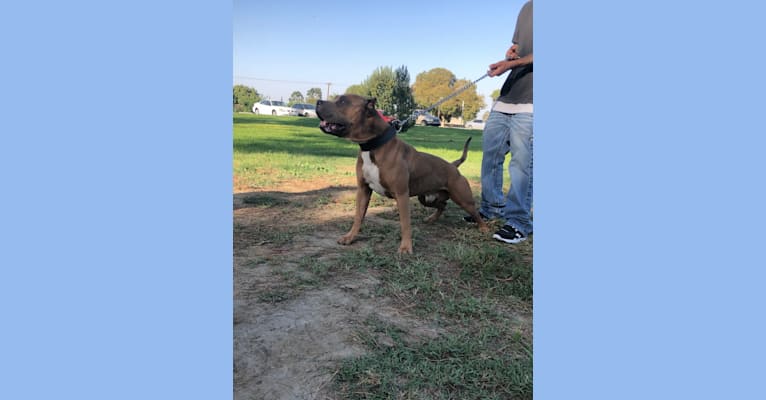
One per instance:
(393, 168)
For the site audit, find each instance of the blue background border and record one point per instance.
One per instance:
(648, 200)
(116, 213)
(117, 229)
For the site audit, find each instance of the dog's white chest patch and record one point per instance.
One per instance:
(371, 174)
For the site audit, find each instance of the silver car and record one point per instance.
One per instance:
(424, 118)
(305, 110)
(273, 107)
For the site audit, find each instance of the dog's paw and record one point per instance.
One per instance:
(405, 248)
(345, 239)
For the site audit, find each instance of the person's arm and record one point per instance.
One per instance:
(501, 67)
(512, 60)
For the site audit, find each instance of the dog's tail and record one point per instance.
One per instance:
(462, 158)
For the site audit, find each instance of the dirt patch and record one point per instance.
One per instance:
(300, 302)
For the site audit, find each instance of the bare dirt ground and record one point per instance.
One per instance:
(294, 320)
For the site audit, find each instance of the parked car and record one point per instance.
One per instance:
(475, 124)
(385, 117)
(273, 107)
(305, 110)
(424, 118)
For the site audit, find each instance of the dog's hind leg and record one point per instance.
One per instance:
(433, 217)
(434, 200)
(461, 194)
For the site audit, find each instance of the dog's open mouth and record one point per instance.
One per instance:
(332, 128)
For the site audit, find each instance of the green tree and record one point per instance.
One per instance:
(295, 97)
(467, 104)
(391, 89)
(245, 97)
(402, 93)
(360, 89)
(381, 86)
(432, 86)
(495, 94)
(436, 84)
(313, 94)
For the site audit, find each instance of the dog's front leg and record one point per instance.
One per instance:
(363, 194)
(403, 204)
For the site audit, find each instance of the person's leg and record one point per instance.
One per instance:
(519, 200)
(494, 149)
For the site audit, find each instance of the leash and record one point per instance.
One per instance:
(401, 126)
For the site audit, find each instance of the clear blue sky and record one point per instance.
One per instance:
(342, 42)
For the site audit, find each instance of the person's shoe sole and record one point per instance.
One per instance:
(509, 241)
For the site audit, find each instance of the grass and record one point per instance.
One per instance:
(293, 148)
(467, 285)
(462, 365)
(464, 286)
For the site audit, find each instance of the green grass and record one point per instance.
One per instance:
(490, 363)
(465, 286)
(458, 280)
(269, 150)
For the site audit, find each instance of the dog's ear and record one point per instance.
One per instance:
(371, 106)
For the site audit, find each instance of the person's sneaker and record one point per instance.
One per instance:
(471, 220)
(509, 234)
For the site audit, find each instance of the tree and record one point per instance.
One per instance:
(436, 84)
(381, 86)
(245, 97)
(467, 104)
(295, 97)
(495, 94)
(313, 94)
(402, 93)
(360, 89)
(390, 88)
(431, 86)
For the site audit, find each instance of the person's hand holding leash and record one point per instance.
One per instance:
(512, 60)
(512, 53)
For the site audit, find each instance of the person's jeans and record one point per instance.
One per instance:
(504, 133)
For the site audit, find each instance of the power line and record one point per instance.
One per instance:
(327, 95)
(288, 81)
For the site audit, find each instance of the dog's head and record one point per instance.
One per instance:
(352, 117)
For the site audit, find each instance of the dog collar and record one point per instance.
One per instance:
(379, 140)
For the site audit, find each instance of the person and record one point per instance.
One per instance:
(509, 130)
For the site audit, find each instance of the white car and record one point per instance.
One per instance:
(273, 107)
(305, 110)
(475, 124)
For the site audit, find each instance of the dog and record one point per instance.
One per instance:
(393, 168)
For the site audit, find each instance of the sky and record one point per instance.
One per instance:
(281, 47)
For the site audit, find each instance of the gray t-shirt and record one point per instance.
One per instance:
(517, 88)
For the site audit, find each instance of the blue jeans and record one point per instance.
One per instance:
(503, 134)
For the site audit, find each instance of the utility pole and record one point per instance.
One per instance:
(327, 96)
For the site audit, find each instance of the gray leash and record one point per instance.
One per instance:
(403, 125)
